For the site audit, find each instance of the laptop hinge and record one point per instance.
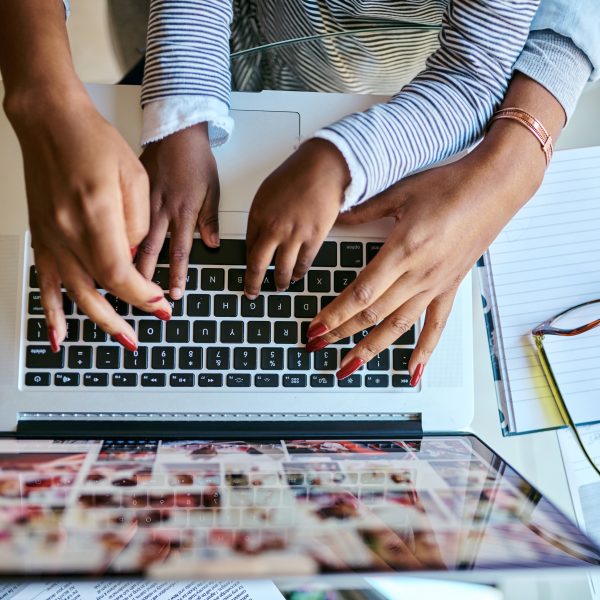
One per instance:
(174, 426)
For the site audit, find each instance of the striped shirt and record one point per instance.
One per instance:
(443, 110)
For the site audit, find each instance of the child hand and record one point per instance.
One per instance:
(292, 213)
(184, 193)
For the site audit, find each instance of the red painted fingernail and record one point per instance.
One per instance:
(157, 299)
(414, 380)
(53, 337)
(353, 365)
(133, 251)
(163, 315)
(316, 330)
(315, 344)
(126, 341)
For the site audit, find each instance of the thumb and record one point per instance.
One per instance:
(385, 204)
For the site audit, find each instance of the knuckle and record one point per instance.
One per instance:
(367, 349)
(149, 248)
(362, 293)
(439, 324)
(367, 317)
(400, 324)
(115, 277)
(179, 253)
(302, 265)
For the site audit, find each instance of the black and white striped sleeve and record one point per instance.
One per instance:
(187, 74)
(446, 107)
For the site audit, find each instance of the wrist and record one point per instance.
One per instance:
(323, 155)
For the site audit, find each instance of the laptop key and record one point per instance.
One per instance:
(238, 380)
(359, 335)
(66, 379)
(297, 286)
(244, 359)
(401, 358)
(381, 362)
(178, 332)
(320, 381)
(271, 359)
(406, 339)
(41, 357)
(225, 305)
(285, 332)
(325, 300)
(372, 249)
(198, 305)
(298, 359)
(92, 333)
(153, 380)
(232, 332)
(259, 332)
(137, 359)
(34, 305)
(305, 307)
(72, 330)
(326, 360)
(279, 306)
(268, 284)
(37, 379)
(342, 279)
(212, 280)
(401, 380)
(33, 278)
(190, 357)
(191, 281)
(181, 380)
(95, 379)
(229, 252)
(205, 332)
(377, 381)
(235, 280)
(124, 379)
(176, 307)
(80, 357)
(161, 277)
(304, 325)
(212, 380)
(351, 254)
(268, 380)
(327, 255)
(217, 358)
(319, 281)
(121, 308)
(37, 331)
(163, 358)
(294, 381)
(253, 308)
(352, 381)
(149, 330)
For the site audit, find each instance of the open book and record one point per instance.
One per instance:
(546, 260)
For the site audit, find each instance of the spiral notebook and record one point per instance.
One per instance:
(547, 259)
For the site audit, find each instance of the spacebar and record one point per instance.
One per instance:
(230, 252)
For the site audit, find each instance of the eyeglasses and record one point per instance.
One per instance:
(573, 335)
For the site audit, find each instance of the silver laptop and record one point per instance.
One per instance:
(221, 365)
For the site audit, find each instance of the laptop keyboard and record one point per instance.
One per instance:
(217, 338)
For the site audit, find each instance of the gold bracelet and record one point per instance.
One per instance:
(531, 123)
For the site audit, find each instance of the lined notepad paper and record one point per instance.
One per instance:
(546, 260)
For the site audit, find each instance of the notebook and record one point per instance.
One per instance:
(547, 259)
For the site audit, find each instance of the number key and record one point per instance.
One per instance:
(163, 358)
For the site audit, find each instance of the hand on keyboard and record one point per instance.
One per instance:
(292, 213)
(184, 194)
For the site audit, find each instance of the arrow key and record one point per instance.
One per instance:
(95, 379)
(66, 379)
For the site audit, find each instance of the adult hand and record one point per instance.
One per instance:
(292, 213)
(184, 194)
(87, 195)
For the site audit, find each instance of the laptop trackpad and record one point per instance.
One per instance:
(253, 152)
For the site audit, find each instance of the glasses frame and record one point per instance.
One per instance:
(547, 328)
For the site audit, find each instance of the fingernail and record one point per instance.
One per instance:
(414, 380)
(214, 239)
(251, 296)
(316, 330)
(53, 337)
(315, 344)
(353, 365)
(125, 341)
(157, 299)
(163, 315)
(133, 251)
(175, 293)
(281, 289)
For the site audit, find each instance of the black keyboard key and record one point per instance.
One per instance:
(238, 380)
(95, 379)
(266, 380)
(153, 380)
(80, 357)
(305, 307)
(319, 281)
(259, 332)
(322, 381)
(205, 332)
(72, 330)
(294, 381)
(67, 304)
(285, 332)
(342, 279)
(212, 380)
(225, 305)
(401, 358)
(304, 325)
(121, 308)
(402, 381)
(406, 339)
(298, 359)
(360, 335)
(198, 305)
(150, 330)
(244, 359)
(235, 280)
(271, 359)
(352, 381)
(34, 305)
(178, 332)
(212, 280)
(163, 358)
(137, 359)
(124, 379)
(37, 331)
(41, 357)
(161, 277)
(372, 249)
(66, 379)
(377, 381)
(351, 254)
(325, 300)
(92, 333)
(37, 379)
(33, 278)
(279, 306)
(107, 357)
(326, 359)
(191, 281)
(229, 252)
(190, 357)
(268, 284)
(181, 380)
(232, 332)
(176, 306)
(297, 286)
(217, 359)
(253, 308)
(327, 255)
(381, 362)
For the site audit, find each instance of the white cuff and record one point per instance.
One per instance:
(358, 177)
(164, 117)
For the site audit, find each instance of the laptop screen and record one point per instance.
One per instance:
(197, 508)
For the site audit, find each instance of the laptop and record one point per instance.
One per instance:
(125, 465)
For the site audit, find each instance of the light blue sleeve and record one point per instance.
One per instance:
(67, 4)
